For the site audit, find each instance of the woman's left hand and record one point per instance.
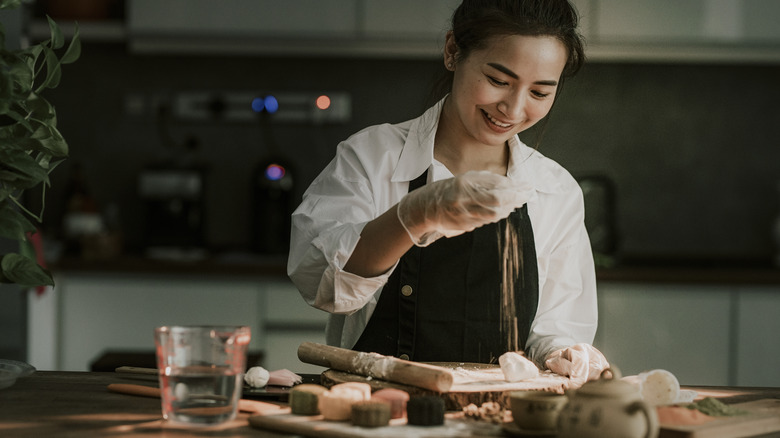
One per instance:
(580, 362)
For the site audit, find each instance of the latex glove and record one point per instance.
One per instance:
(456, 205)
(580, 362)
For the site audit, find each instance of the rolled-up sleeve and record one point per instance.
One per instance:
(325, 230)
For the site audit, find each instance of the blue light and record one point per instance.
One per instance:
(271, 104)
(258, 104)
(274, 172)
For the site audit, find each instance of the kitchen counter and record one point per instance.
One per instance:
(78, 404)
(659, 270)
(75, 404)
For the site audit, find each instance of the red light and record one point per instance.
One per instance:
(323, 102)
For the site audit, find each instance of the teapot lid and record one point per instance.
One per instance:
(608, 385)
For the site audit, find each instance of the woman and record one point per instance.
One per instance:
(398, 237)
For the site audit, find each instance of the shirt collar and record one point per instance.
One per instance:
(525, 164)
(528, 165)
(417, 154)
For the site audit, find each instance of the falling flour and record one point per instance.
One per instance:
(510, 253)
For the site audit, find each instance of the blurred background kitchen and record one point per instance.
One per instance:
(194, 127)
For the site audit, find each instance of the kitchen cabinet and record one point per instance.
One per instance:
(263, 18)
(407, 19)
(292, 27)
(687, 31)
(705, 334)
(701, 31)
(758, 347)
(288, 321)
(690, 21)
(685, 329)
(88, 314)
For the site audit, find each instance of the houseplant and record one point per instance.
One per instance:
(30, 144)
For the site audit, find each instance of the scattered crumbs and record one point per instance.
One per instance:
(491, 412)
(715, 408)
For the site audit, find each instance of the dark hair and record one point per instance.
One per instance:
(475, 22)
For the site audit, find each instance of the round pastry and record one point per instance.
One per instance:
(425, 410)
(364, 388)
(336, 403)
(396, 398)
(257, 377)
(370, 414)
(304, 399)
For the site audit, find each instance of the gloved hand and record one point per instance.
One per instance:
(580, 362)
(453, 206)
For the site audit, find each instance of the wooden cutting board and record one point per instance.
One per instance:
(763, 417)
(473, 383)
(315, 426)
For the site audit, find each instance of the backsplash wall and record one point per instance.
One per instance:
(692, 149)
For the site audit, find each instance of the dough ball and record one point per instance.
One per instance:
(516, 367)
(257, 377)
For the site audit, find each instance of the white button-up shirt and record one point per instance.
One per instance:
(371, 172)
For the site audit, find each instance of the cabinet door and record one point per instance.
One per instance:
(681, 328)
(408, 19)
(654, 20)
(287, 322)
(101, 313)
(687, 22)
(758, 347)
(241, 18)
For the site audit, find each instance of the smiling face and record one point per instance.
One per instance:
(502, 89)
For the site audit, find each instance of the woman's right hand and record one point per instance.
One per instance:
(456, 205)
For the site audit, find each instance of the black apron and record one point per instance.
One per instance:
(443, 302)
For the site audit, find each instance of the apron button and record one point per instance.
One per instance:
(404, 357)
(406, 290)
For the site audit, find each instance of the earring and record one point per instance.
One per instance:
(449, 65)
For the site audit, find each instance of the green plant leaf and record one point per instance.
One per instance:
(27, 171)
(24, 271)
(13, 225)
(57, 40)
(74, 48)
(53, 71)
(10, 4)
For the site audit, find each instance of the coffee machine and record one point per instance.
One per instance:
(174, 200)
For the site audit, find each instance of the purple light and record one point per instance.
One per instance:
(274, 172)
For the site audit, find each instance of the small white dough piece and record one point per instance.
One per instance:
(659, 387)
(257, 377)
(516, 367)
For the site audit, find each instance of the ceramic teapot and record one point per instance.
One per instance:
(607, 407)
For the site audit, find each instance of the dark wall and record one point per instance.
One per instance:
(693, 149)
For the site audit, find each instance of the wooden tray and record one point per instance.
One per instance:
(473, 383)
(316, 427)
(763, 418)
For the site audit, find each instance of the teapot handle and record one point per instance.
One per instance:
(650, 421)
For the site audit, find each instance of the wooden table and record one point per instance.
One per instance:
(78, 404)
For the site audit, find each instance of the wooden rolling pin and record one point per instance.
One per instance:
(377, 366)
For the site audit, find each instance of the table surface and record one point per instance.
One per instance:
(77, 404)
